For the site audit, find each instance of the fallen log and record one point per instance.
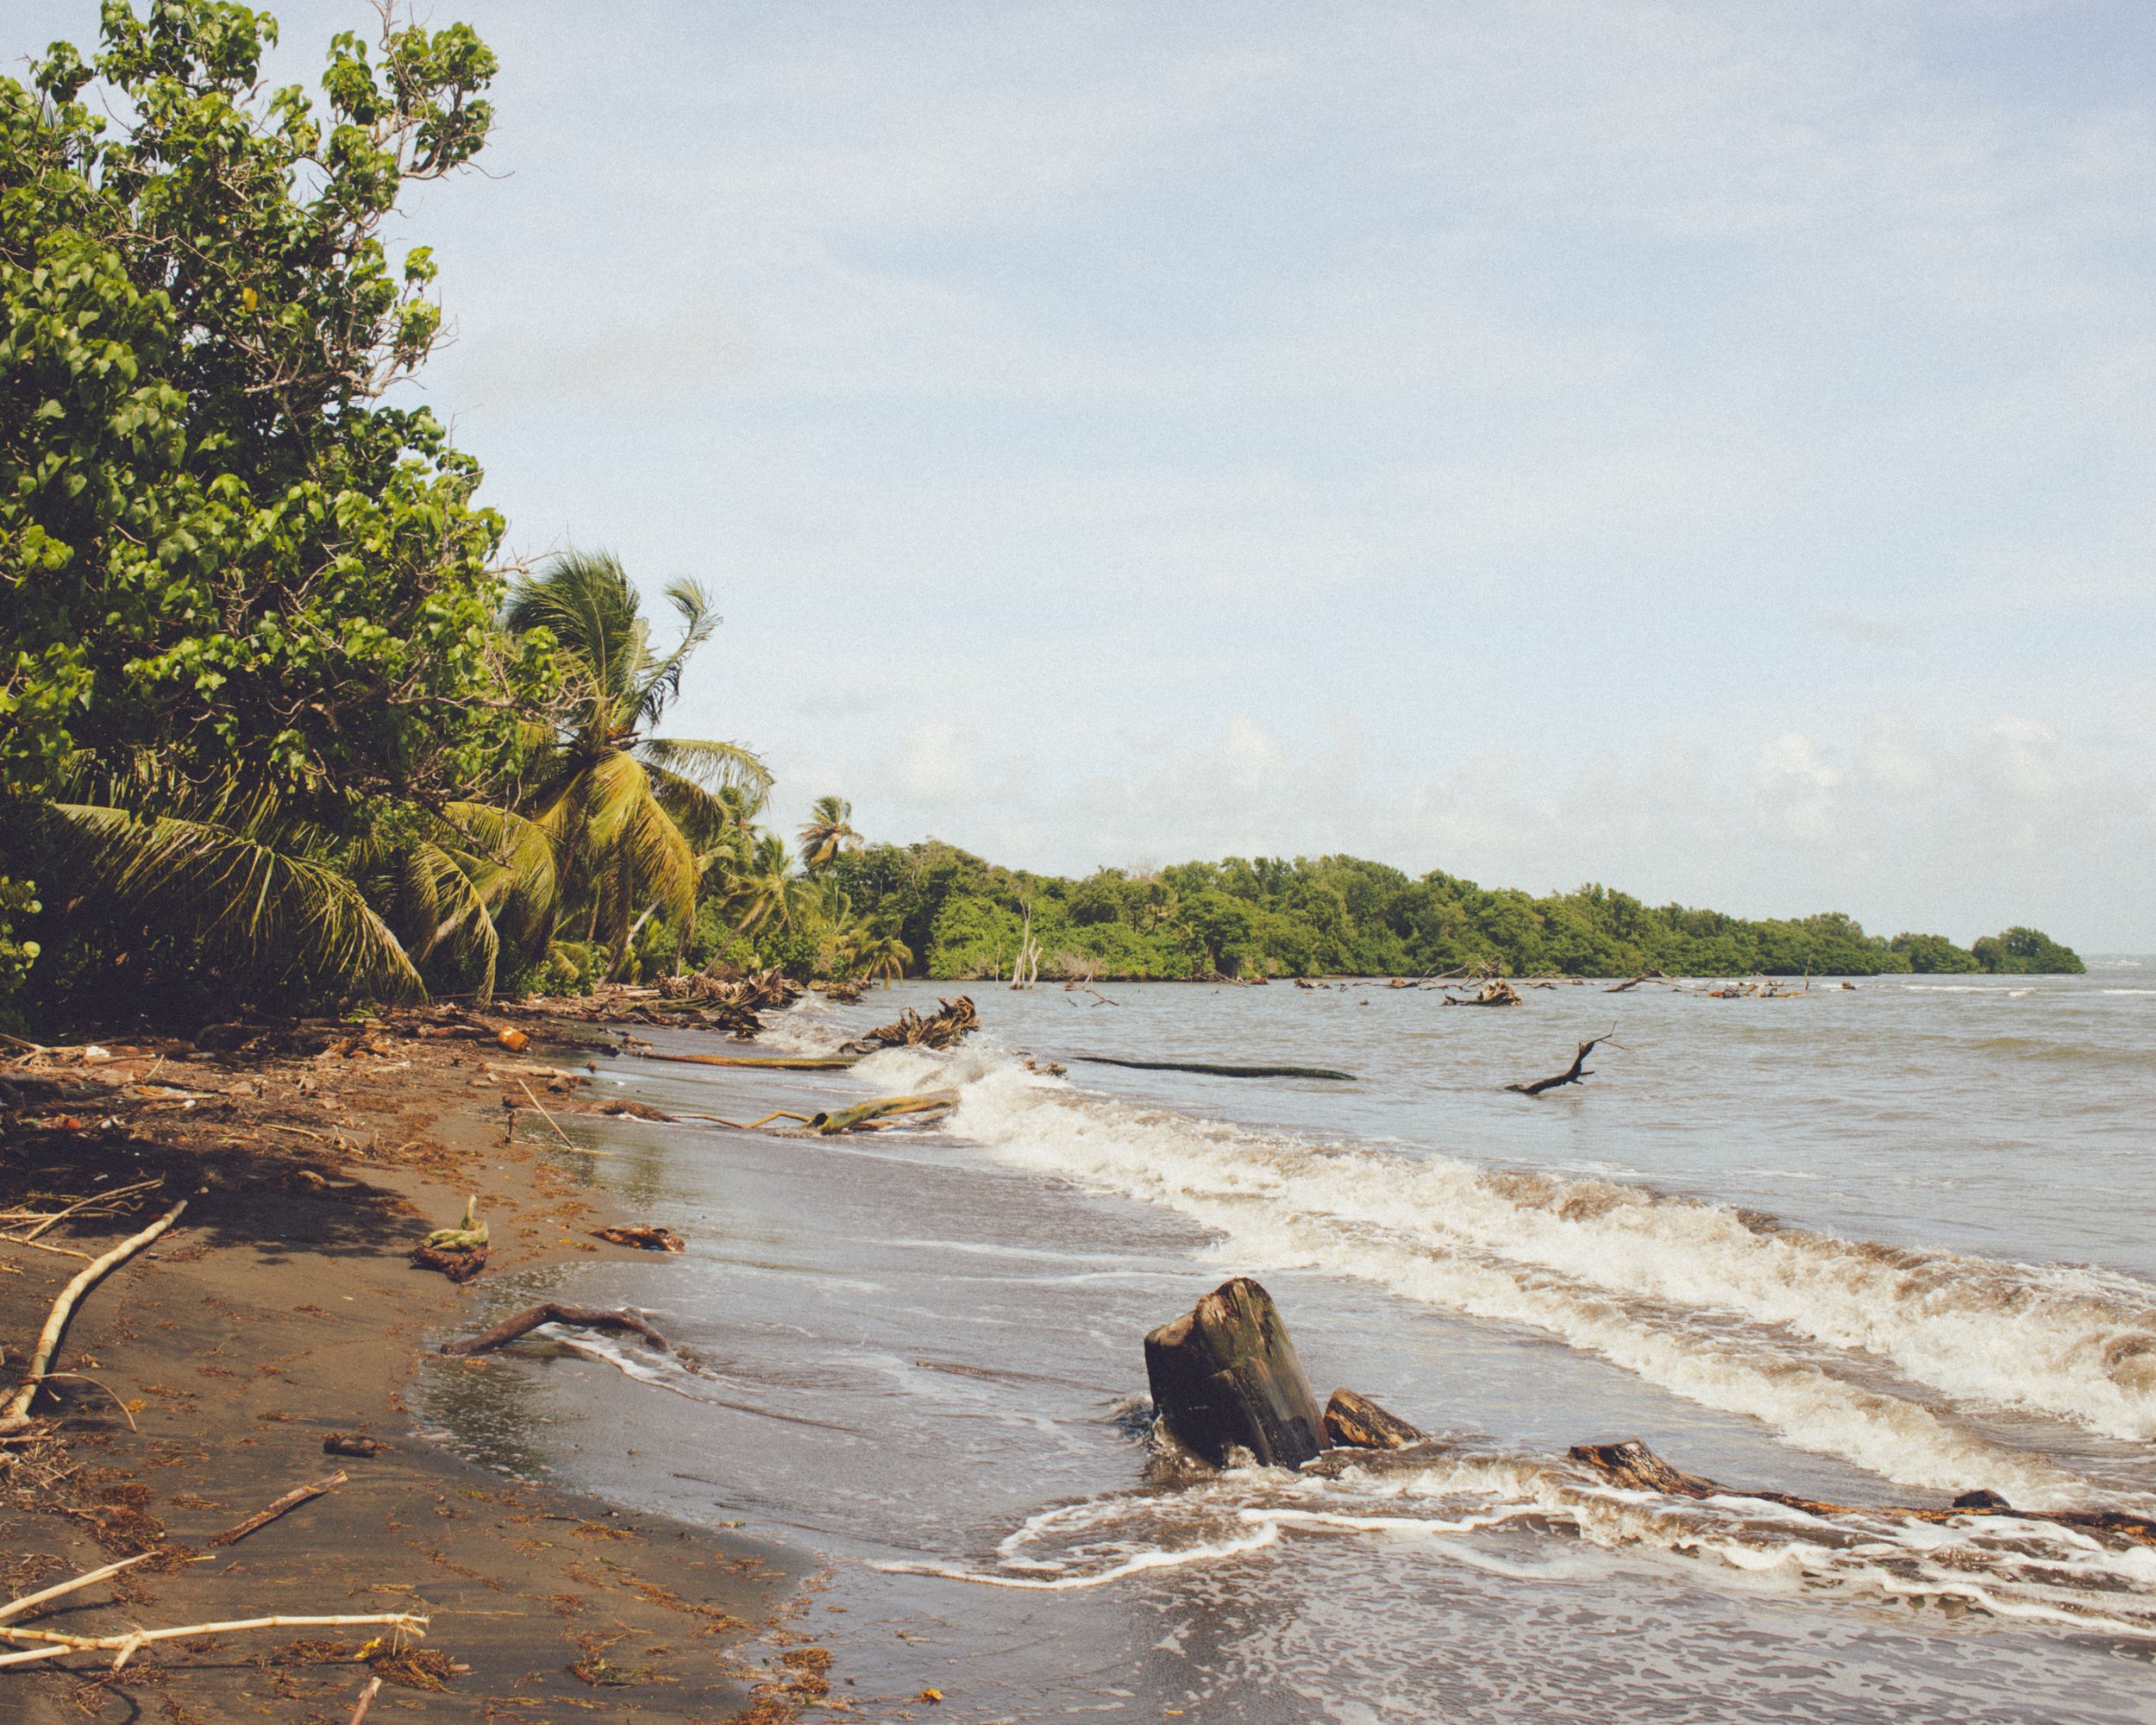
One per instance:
(884, 1107)
(580, 1317)
(636, 1111)
(1572, 1074)
(1216, 1069)
(760, 1063)
(1497, 992)
(57, 1646)
(1633, 983)
(353, 1444)
(64, 1307)
(1226, 1377)
(944, 1028)
(1355, 1422)
(1630, 1464)
(291, 1500)
(644, 1236)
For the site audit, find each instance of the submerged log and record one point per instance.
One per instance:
(884, 1107)
(945, 1028)
(760, 1062)
(582, 1317)
(1217, 1069)
(1632, 1464)
(1224, 1377)
(644, 1236)
(1355, 1422)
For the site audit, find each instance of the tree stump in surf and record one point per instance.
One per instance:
(1224, 1377)
(1355, 1422)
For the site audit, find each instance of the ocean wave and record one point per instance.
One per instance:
(2004, 1565)
(1722, 1307)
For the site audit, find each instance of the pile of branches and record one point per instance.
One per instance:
(946, 1027)
(1497, 992)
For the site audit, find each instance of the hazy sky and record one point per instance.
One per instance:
(1705, 447)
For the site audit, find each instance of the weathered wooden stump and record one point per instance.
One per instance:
(1225, 1377)
(1355, 1422)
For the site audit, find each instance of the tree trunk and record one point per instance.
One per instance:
(1226, 1377)
(1355, 1422)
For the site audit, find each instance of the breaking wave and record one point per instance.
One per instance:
(1829, 1341)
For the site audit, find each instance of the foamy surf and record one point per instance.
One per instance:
(1818, 1336)
(2001, 1565)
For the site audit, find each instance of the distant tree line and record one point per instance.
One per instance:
(962, 917)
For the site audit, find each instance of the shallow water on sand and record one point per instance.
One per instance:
(1878, 1246)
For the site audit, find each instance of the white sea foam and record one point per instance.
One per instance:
(2006, 1566)
(1786, 1326)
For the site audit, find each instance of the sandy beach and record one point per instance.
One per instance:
(282, 1309)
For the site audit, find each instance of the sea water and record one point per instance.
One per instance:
(1878, 1246)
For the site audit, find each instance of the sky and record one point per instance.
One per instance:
(1701, 448)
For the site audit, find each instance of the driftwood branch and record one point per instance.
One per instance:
(54, 1645)
(883, 1108)
(1217, 1068)
(16, 1607)
(1572, 1074)
(64, 1307)
(582, 1317)
(291, 1500)
(367, 1700)
(1631, 1464)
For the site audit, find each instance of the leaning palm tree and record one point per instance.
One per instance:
(627, 813)
(882, 953)
(827, 832)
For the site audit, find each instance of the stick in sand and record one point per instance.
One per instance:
(544, 1115)
(291, 1500)
(367, 1700)
(128, 1645)
(16, 1607)
(63, 1307)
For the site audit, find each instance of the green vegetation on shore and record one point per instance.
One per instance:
(278, 729)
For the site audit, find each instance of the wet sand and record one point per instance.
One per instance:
(281, 1309)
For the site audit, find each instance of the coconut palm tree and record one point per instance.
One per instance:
(628, 814)
(827, 832)
(768, 891)
(882, 953)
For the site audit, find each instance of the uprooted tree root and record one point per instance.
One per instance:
(578, 1317)
(946, 1027)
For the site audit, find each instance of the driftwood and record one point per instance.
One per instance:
(1225, 1377)
(127, 1646)
(581, 1317)
(636, 1111)
(459, 1253)
(884, 1107)
(1631, 1464)
(1572, 1074)
(1355, 1422)
(291, 1500)
(367, 1700)
(820, 1063)
(946, 1027)
(1643, 977)
(64, 1307)
(1497, 992)
(644, 1236)
(1218, 1070)
(353, 1444)
(16, 1607)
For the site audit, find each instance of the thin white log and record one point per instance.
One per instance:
(54, 1644)
(16, 1607)
(63, 1307)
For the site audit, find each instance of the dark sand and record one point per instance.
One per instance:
(280, 1309)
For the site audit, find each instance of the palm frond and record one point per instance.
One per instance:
(661, 681)
(244, 899)
(439, 906)
(718, 767)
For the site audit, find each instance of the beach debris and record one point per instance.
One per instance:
(353, 1444)
(1572, 1074)
(843, 994)
(459, 1253)
(1631, 1464)
(120, 1200)
(946, 1027)
(644, 1236)
(760, 1062)
(513, 1039)
(1496, 992)
(1355, 1422)
(1226, 1377)
(1217, 1068)
(1758, 988)
(866, 1114)
(635, 1111)
(367, 1700)
(579, 1317)
(1643, 977)
(291, 1500)
(64, 1307)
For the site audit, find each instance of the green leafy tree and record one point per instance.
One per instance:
(248, 615)
(2026, 951)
